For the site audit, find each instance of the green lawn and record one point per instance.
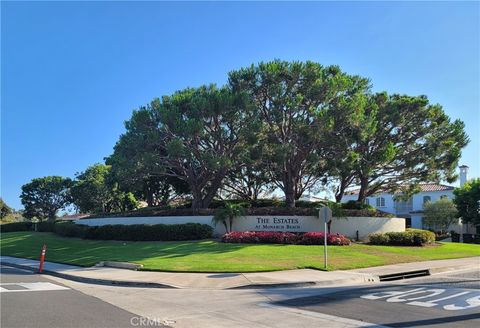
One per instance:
(212, 256)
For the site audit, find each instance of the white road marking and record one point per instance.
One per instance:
(31, 287)
(398, 296)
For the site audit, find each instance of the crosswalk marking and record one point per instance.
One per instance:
(30, 287)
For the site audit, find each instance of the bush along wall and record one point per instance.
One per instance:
(411, 237)
(264, 237)
(137, 232)
(16, 226)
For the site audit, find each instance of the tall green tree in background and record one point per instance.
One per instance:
(4, 209)
(440, 214)
(467, 200)
(95, 192)
(289, 97)
(44, 197)
(135, 161)
(249, 181)
(202, 134)
(339, 128)
(399, 141)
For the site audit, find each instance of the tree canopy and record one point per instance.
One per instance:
(93, 191)
(440, 215)
(467, 200)
(136, 157)
(397, 142)
(202, 133)
(289, 98)
(44, 197)
(280, 125)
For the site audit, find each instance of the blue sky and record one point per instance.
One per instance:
(72, 72)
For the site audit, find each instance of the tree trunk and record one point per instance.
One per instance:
(340, 191)
(289, 190)
(197, 202)
(149, 196)
(363, 190)
(213, 190)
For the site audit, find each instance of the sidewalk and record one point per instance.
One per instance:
(303, 277)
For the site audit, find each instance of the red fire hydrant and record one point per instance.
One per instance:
(42, 258)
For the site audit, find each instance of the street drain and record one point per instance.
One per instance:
(404, 275)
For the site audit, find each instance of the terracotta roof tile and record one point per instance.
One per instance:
(423, 188)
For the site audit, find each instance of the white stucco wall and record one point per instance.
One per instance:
(365, 225)
(372, 201)
(345, 226)
(417, 200)
(417, 221)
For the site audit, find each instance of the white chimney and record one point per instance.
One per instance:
(463, 174)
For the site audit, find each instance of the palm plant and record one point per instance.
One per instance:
(227, 214)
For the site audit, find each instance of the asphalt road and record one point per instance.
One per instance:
(450, 300)
(30, 300)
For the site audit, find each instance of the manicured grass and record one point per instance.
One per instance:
(212, 256)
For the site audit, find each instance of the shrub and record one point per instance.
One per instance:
(422, 237)
(16, 226)
(317, 238)
(156, 232)
(70, 229)
(379, 239)
(356, 205)
(410, 237)
(46, 226)
(267, 237)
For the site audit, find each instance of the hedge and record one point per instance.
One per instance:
(267, 237)
(411, 237)
(141, 232)
(136, 232)
(15, 226)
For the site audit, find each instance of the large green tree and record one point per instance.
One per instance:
(399, 141)
(440, 214)
(44, 197)
(135, 161)
(201, 134)
(467, 200)
(94, 191)
(249, 180)
(289, 98)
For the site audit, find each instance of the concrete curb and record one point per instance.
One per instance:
(275, 285)
(258, 281)
(361, 279)
(323, 283)
(91, 280)
(119, 265)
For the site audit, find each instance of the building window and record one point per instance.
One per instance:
(443, 197)
(380, 202)
(426, 199)
(366, 201)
